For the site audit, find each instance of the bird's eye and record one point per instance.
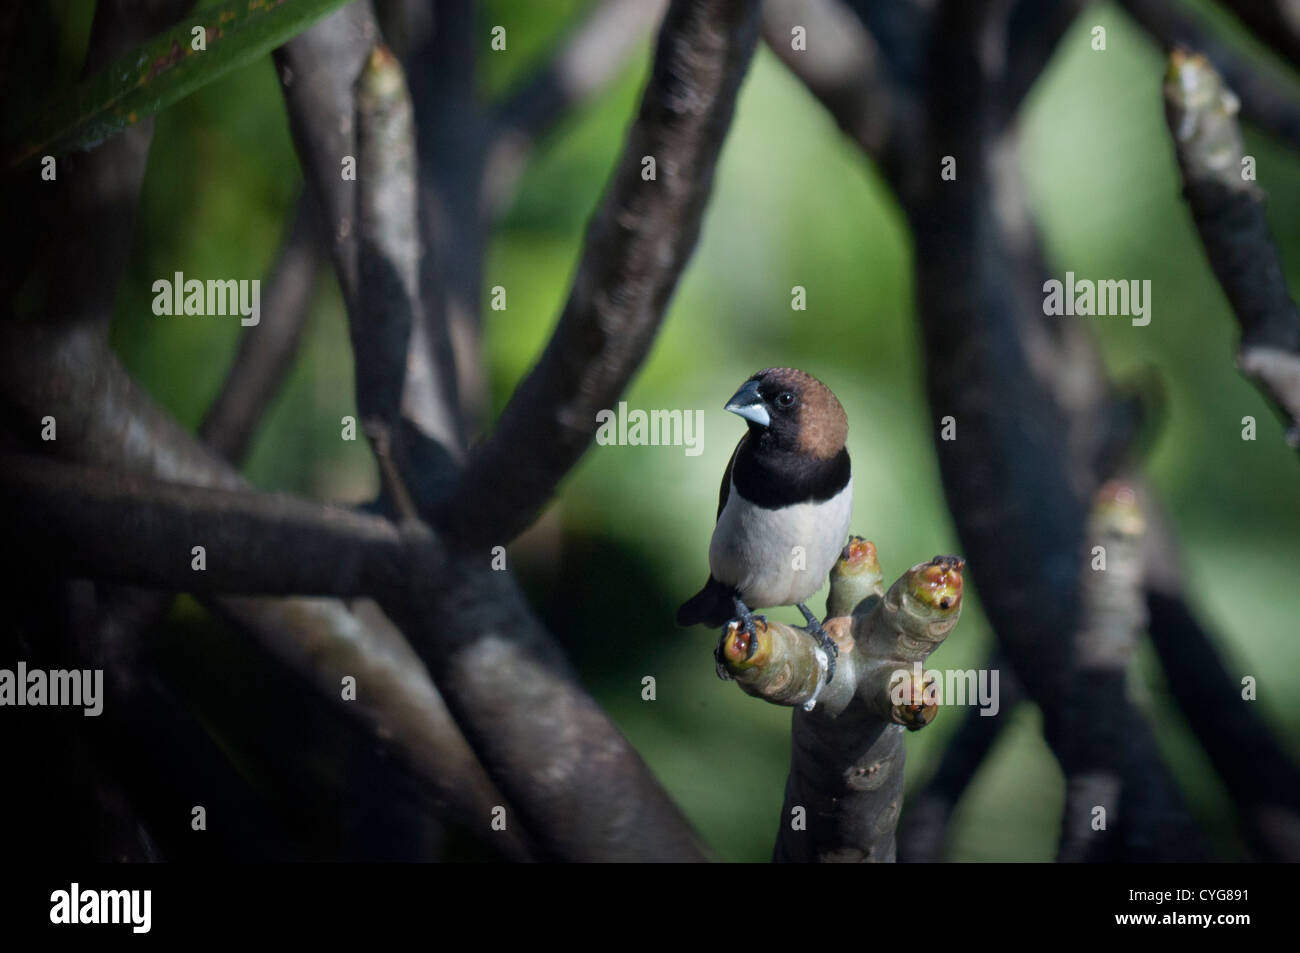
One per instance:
(785, 399)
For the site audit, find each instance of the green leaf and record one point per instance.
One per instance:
(165, 69)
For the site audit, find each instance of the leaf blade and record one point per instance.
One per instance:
(158, 73)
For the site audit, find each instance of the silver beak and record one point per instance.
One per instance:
(747, 403)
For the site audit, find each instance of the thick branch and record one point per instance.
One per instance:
(573, 780)
(1059, 360)
(844, 791)
(1013, 481)
(636, 247)
(566, 769)
(1229, 213)
(440, 69)
(318, 70)
(82, 521)
(1113, 616)
(382, 316)
(104, 417)
(1034, 29)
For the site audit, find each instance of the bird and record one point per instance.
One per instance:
(784, 507)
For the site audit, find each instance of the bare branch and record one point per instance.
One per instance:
(583, 64)
(1269, 100)
(840, 65)
(846, 761)
(575, 783)
(1025, 544)
(1229, 213)
(74, 519)
(1034, 29)
(318, 70)
(104, 417)
(267, 349)
(582, 791)
(440, 70)
(1112, 617)
(395, 697)
(1260, 774)
(636, 247)
(73, 267)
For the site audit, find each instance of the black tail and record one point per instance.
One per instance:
(712, 606)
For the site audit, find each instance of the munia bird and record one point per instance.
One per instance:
(784, 508)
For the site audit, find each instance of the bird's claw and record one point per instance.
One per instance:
(752, 632)
(832, 652)
(824, 640)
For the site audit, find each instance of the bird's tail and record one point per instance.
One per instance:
(711, 606)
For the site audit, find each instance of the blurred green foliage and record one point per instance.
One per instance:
(627, 539)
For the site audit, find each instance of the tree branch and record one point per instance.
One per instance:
(104, 417)
(1017, 490)
(1269, 100)
(573, 780)
(636, 247)
(1229, 213)
(570, 774)
(1113, 616)
(923, 832)
(840, 66)
(318, 71)
(268, 349)
(74, 520)
(582, 64)
(73, 272)
(1260, 774)
(844, 791)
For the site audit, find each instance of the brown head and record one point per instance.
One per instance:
(793, 411)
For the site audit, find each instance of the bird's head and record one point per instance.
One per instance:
(790, 410)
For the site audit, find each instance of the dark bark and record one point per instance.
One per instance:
(1269, 99)
(636, 247)
(1228, 209)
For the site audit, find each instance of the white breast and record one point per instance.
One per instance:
(779, 557)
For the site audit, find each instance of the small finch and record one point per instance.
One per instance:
(784, 508)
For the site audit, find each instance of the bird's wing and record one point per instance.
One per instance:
(725, 490)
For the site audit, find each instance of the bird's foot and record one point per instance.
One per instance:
(824, 640)
(747, 620)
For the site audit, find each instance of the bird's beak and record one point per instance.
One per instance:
(747, 403)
